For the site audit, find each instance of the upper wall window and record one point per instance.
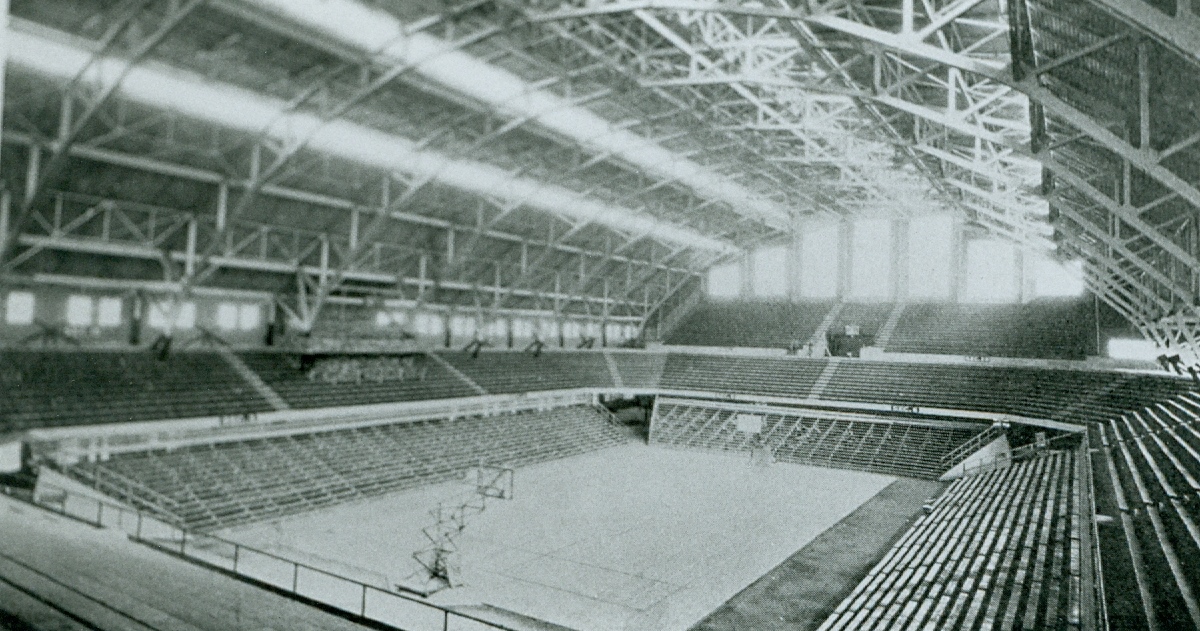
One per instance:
(930, 255)
(725, 281)
(770, 272)
(80, 310)
(871, 269)
(819, 261)
(108, 311)
(18, 308)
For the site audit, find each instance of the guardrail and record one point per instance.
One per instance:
(303, 580)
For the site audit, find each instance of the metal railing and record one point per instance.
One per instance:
(306, 581)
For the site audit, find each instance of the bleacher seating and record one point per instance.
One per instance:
(1048, 329)
(1073, 396)
(226, 484)
(997, 551)
(868, 317)
(752, 324)
(283, 373)
(640, 369)
(1153, 457)
(111, 387)
(742, 375)
(505, 372)
(59, 388)
(888, 447)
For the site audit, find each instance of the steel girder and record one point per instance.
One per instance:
(111, 227)
(91, 87)
(980, 87)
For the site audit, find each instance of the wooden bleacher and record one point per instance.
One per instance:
(742, 375)
(216, 486)
(283, 373)
(757, 324)
(1045, 329)
(508, 372)
(1153, 457)
(996, 551)
(61, 388)
(883, 446)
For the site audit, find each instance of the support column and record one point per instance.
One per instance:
(5, 213)
(1021, 278)
(189, 261)
(746, 265)
(795, 261)
(958, 262)
(845, 257)
(222, 206)
(899, 281)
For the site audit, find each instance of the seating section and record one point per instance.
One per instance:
(640, 369)
(883, 446)
(109, 387)
(59, 388)
(1073, 396)
(752, 324)
(505, 372)
(868, 317)
(1153, 459)
(1047, 329)
(284, 374)
(999, 550)
(742, 375)
(227, 484)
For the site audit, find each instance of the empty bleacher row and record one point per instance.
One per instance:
(221, 485)
(888, 447)
(1083, 396)
(742, 375)
(867, 316)
(999, 550)
(758, 324)
(503, 373)
(1152, 457)
(1046, 329)
(121, 387)
(284, 373)
(54, 388)
(640, 369)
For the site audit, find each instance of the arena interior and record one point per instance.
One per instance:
(591, 315)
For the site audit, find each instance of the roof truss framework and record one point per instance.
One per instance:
(992, 121)
(845, 108)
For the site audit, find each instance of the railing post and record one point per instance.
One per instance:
(295, 576)
(236, 549)
(363, 610)
(182, 542)
(445, 620)
(139, 526)
(99, 513)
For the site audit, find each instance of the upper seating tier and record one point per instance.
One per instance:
(47, 389)
(1042, 329)
(58, 388)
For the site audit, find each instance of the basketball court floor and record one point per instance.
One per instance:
(633, 537)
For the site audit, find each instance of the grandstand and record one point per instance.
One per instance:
(592, 315)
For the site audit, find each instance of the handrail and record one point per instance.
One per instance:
(972, 445)
(97, 474)
(393, 608)
(1093, 602)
